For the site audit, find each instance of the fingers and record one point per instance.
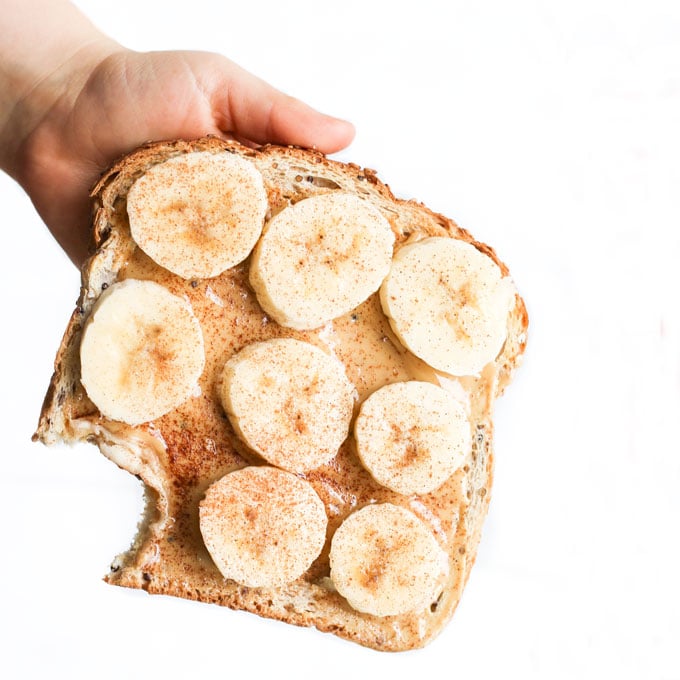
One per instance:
(291, 121)
(254, 110)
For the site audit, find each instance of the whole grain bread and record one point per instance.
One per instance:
(179, 455)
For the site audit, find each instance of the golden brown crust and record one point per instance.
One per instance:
(175, 464)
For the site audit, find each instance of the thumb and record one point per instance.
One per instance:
(251, 108)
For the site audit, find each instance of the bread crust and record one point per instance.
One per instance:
(155, 562)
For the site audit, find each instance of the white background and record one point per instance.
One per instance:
(549, 130)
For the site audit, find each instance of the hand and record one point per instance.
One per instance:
(127, 98)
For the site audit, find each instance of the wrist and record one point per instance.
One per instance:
(44, 65)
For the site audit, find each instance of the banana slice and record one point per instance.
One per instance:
(448, 303)
(198, 214)
(263, 527)
(289, 401)
(141, 353)
(320, 258)
(385, 561)
(412, 436)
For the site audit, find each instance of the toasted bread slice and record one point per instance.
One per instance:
(180, 454)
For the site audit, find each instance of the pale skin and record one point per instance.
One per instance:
(72, 101)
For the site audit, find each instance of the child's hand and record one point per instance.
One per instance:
(131, 98)
(60, 133)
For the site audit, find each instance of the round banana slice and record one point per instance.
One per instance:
(289, 401)
(448, 303)
(141, 353)
(263, 527)
(385, 561)
(320, 258)
(412, 436)
(198, 214)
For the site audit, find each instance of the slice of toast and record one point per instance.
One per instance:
(179, 455)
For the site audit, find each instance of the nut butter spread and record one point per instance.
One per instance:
(198, 445)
